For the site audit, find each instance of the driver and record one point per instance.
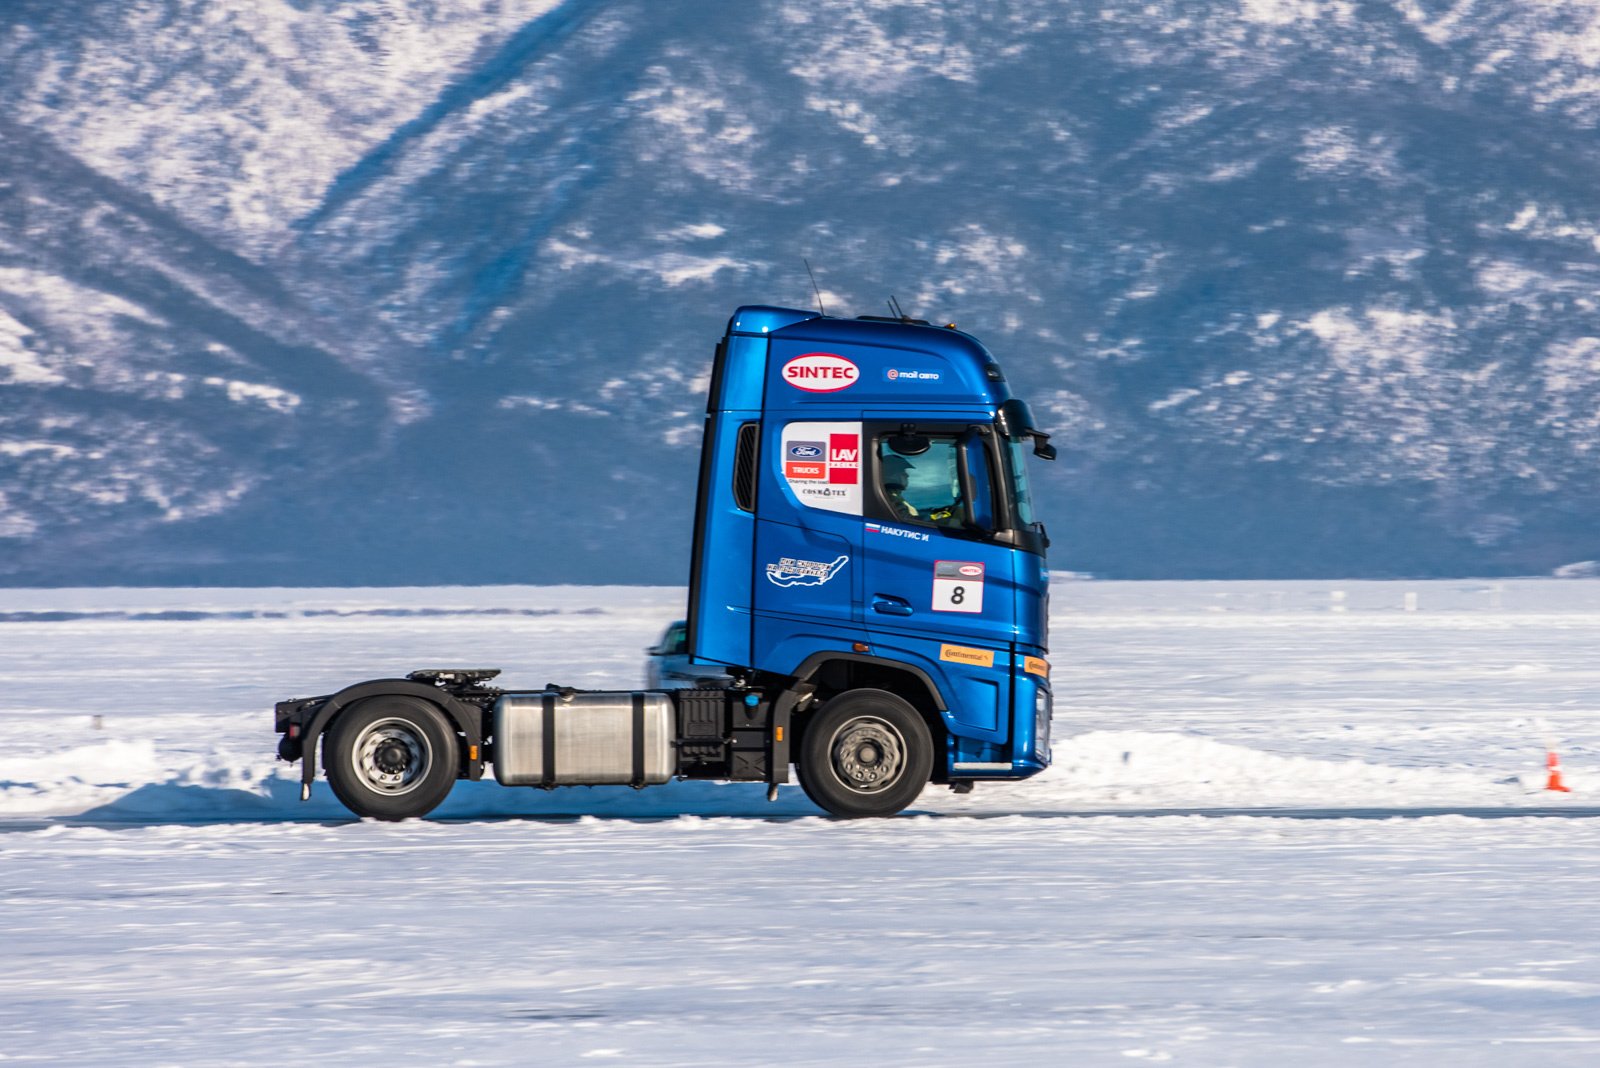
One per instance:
(893, 471)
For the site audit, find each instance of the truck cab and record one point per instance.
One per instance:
(864, 522)
(867, 602)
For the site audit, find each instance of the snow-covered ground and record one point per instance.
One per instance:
(1287, 820)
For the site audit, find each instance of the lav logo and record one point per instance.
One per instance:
(820, 372)
(844, 459)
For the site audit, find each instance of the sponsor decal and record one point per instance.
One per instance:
(1033, 665)
(904, 374)
(821, 464)
(789, 571)
(844, 459)
(962, 654)
(896, 532)
(820, 372)
(957, 586)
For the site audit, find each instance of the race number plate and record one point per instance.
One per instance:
(957, 586)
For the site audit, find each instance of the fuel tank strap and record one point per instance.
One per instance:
(638, 741)
(547, 738)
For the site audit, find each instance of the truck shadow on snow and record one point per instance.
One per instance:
(278, 801)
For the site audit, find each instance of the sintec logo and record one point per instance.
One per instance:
(820, 372)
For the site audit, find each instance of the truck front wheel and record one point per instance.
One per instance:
(866, 753)
(391, 758)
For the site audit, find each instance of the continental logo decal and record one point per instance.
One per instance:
(961, 654)
(1035, 666)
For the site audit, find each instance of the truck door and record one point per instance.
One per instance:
(937, 586)
(808, 581)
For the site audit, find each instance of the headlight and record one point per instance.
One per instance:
(1041, 724)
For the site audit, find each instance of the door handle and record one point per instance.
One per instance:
(890, 606)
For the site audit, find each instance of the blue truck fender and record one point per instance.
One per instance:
(808, 668)
(798, 693)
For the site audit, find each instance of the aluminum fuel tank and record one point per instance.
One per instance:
(570, 738)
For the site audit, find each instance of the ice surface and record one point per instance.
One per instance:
(1287, 820)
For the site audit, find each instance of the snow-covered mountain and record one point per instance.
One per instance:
(299, 291)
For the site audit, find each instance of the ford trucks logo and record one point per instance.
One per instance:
(820, 372)
(805, 451)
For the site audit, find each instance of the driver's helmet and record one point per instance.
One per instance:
(893, 470)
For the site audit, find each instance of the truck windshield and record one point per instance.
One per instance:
(1021, 495)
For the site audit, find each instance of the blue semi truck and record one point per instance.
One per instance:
(868, 570)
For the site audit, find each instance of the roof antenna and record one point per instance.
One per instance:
(820, 309)
(895, 309)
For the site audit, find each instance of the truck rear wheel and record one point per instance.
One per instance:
(391, 758)
(866, 753)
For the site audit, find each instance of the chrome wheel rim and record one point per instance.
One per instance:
(868, 754)
(392, 756)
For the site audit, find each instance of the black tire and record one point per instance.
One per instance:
(865, 753)
(391, 758)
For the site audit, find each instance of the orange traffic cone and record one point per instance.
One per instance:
(1553, 763)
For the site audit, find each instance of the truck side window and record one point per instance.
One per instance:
(924, 487)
